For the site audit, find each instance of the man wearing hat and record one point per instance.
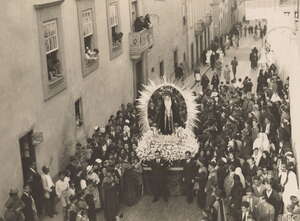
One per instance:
(29, 210)
(14, 206)
(36, 187)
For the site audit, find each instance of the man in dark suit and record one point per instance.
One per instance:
(29, 210)
(273, 198)
(36, 187)
(189, 172)
(159, 168)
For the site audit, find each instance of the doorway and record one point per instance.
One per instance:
(197, 50)
(139, 76)
(201, 44)
(192, 55)
(27, 152)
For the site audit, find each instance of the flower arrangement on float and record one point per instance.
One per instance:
(172, 147)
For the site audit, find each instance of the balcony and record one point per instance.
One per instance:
(140, 42)
(199, 27)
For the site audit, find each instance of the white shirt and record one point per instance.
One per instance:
(60, 187)
(47, 182)
(269, 192)
(245, 216)
(283, 178)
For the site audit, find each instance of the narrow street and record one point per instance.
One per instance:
(177, 208)
(242, 53)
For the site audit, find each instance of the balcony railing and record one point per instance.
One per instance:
(140, 42)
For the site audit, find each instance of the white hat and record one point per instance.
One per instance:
(102, 130)
(96, 127)
(214, 94)
(289, 153)
(89, 168)
(224, 159)
(98, 160)
(127, 121)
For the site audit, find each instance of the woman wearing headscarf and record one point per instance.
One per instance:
(238, 171)
(236, 197)
(262, 143)
(260, 82)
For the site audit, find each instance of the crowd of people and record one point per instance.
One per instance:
(245, 163)
(244, 169)
(103, 174)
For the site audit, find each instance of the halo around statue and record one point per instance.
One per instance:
(170, 129)
(166, 89)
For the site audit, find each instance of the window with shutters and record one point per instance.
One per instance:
(52, 51)
(51, 48)
(114, 26)
(88, 36)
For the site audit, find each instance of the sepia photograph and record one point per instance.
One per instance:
(149, 110)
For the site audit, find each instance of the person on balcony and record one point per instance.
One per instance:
(139, 24)
(147, 22)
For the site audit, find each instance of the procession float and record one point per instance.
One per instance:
(167, 116)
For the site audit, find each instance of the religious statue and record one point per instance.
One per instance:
(168, 122)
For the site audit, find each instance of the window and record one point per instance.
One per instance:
(78, 112)
(51, 48)
(114, 26)
(88, 36)
(91, 52)
(134, 13)
(87, 26)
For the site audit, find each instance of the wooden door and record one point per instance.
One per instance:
(27, 152)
